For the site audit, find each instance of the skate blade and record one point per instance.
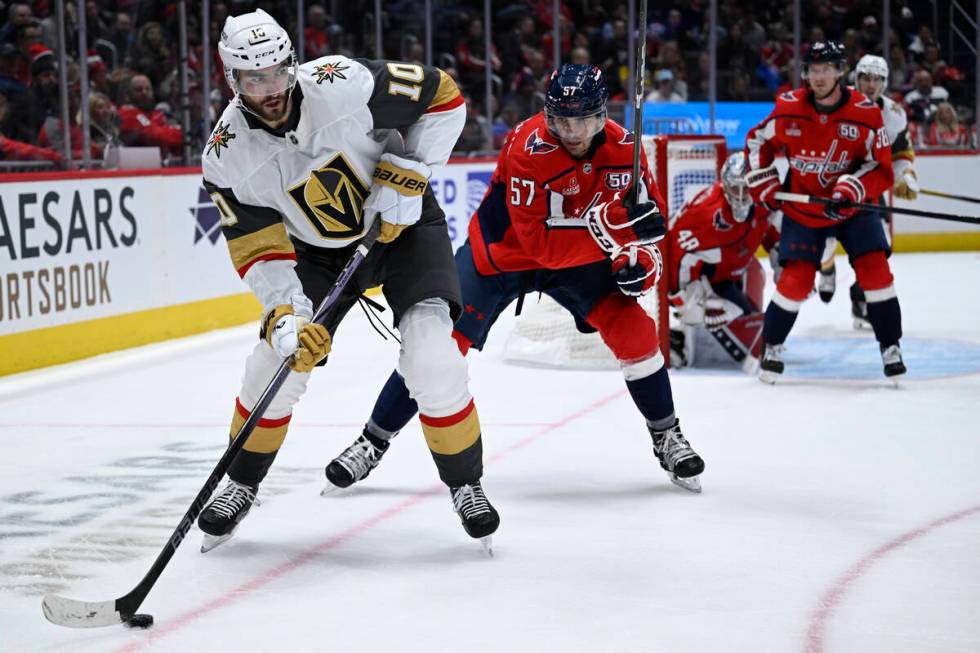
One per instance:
(487, 544)
(692, 484)
(329, 489)
(768, 377)
(861, 325)
(213, 541)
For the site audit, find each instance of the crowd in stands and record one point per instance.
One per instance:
(134, 90)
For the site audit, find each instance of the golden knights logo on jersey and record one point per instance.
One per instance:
(332, 199)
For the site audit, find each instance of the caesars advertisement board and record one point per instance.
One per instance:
(73, 250)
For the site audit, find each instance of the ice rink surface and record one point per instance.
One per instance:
(839, 514)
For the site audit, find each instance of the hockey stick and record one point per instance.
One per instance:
(638, 73)
(949, 196)
(84, 614)
(810, 199)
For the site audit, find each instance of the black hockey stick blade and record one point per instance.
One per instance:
(94, 614)
(897, 210)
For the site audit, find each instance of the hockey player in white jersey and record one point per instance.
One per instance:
(300, 164)
(871, 79)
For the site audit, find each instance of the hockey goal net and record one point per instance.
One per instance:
(545, 334)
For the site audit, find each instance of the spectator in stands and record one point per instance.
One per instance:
(9, 84)
(52, 132)
(516, 43)
(526, 95)
(946, 131)
(14, 150)
(151, 55)
(28, 41)
(475, 136)
(734, 52)
(669, 58)
(316, 42)
(121, 35)
(898, 69)
(870, 37)
(664, 88)
(922, 100)
(506, 121)
(471, 56)
(18, 15)
(737, 89)
(141, 124)
(753, 33)
(103, 121)
(29, 109)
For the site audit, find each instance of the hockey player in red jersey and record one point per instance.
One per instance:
(559, 218)
(714, 278)
(837, 147)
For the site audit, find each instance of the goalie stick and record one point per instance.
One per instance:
(92, 614)
(811, 199)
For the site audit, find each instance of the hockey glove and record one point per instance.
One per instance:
(619, 223)
(294, 335)
(847, 191)
(907, 185)
(637, 269)
(688, 302)
(396, 194)
(719, 312)
(763, 184)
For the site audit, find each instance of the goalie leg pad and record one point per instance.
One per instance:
(626, 329)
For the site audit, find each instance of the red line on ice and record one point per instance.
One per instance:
(832, 598)
(309, 555)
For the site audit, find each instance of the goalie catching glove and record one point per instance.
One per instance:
(697, 304)
(620, 223)
(637, 269)
(396, 194)
(294, 335)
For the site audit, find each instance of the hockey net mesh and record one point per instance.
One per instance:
(545, 333)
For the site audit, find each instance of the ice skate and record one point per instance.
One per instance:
(891, 359)
(771, 366)
(480, 519)
(677, 457)
(827, 283)
(859, 308)
(221, 517)
(354, 463)
(678, 349)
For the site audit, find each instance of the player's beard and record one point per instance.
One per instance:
(273, 109)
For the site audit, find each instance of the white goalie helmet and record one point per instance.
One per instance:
(736, 186)
(255, 42)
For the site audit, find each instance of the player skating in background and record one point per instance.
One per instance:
(558, 219)
(871, 79)
(714, 278)
(837, 147)
(300, 164)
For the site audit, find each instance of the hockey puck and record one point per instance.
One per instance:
(140, 621)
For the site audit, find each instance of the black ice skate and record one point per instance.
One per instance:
(227, 509)
(771, 366)
(891, 358)
(859, 308)
(827, 283)
(355, 462)
(480, 519)
(677, 457)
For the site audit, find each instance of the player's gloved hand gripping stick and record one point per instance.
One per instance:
(90, 614)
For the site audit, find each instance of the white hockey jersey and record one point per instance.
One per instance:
(308, 179)
(896, 126)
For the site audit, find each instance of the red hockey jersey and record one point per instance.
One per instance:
(820, 147)
(705, 231)
(532, 216)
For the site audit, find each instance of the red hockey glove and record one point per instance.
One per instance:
(763, 184)
(848, 190)
(621, 223)
(637, 269)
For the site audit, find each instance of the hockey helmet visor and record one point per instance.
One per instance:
(257, 54)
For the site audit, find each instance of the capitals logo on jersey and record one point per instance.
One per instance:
(537, 145)
(332, 199)
(822, 165)
(719, 222)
